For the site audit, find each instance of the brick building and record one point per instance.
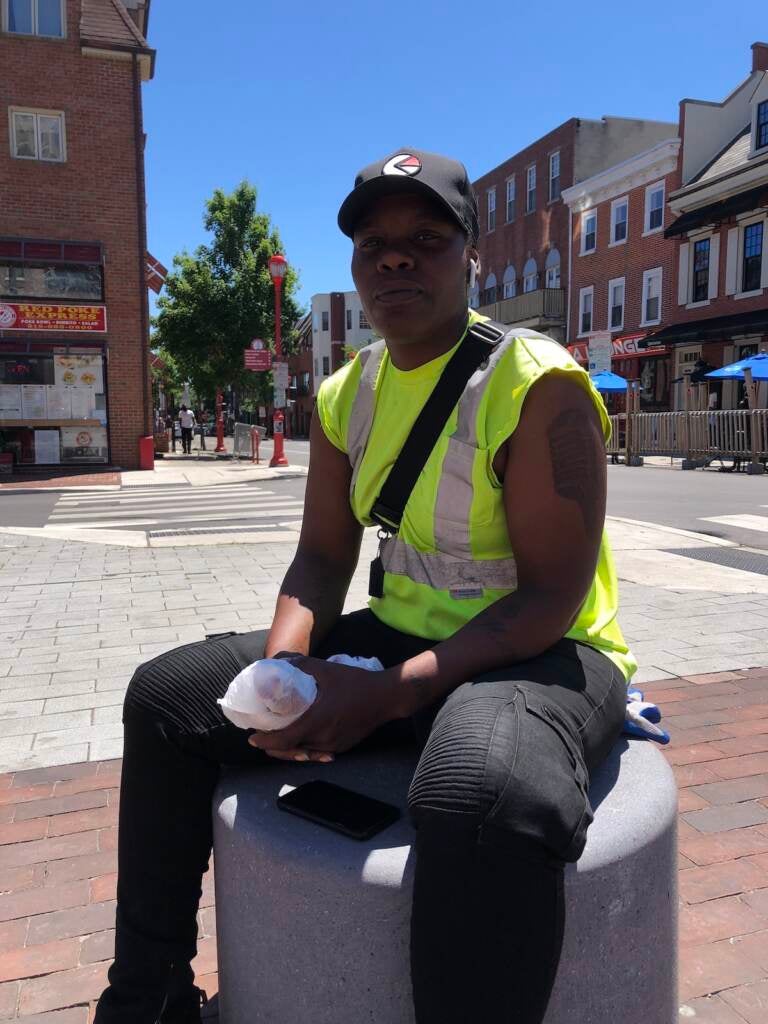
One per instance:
(74, 375)
(524, 225)
(719, 226)
(623, 266)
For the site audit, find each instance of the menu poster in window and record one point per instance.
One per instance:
(33, 403)
(84, 444)
(79, 370)
(10, 401)
(59, 402)
(83, 403)
(47, 447)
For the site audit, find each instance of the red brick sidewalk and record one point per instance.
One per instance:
(60, 478)
(57, 864)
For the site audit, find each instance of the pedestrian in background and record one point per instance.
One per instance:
(187, 423)
(203, 425)
(171, 428)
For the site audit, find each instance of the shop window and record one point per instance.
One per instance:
(616, 304)
(530, 189)
(586, 296)
(654, 207)
(508, 282)
(491, 199)
(50, 281)
(37, 135)
(752, 264)
(588, 232)
(700, 287)
(619, 217)
(651, 297)
(554, 176)
(35, 17)
(510, 199)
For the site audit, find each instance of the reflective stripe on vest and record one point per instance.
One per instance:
(451, 567)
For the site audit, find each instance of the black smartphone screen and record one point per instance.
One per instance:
(343, 810)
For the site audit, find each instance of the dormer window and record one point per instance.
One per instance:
(761, 125)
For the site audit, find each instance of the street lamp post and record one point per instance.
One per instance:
(278, 265)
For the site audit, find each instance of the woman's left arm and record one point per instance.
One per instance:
(554, 497)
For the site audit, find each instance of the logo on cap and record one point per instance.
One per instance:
(404, 163)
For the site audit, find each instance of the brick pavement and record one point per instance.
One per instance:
(57, 866)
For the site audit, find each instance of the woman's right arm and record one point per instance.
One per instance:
(315, 587)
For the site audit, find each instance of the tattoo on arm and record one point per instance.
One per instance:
(575, 469)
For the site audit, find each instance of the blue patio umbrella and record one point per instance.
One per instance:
(607, 381)
(735, 371)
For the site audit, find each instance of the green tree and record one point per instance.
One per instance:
(216, 300)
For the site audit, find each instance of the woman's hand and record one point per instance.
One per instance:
(350, 704)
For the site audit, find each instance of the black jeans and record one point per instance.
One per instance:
(186, 440)
(499, 801)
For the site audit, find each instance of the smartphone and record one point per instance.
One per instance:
(343, 810)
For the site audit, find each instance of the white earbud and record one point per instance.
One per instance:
(472, 273)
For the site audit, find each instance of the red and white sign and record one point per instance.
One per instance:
(156, 273)
(257, 359)
(37, 316)
(623, 348)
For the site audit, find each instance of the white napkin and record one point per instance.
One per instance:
(272, 693)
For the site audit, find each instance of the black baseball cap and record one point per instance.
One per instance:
(413, 170)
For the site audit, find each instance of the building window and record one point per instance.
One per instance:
(37, 136)
(349, 319)
(35, 17)
(585, 310)
(753, 257)
(326, 365)
(616, 304)
(510, 199)
(488, 294)
(530, 276)
(509, 280)
(700, 289)
(651, 297)
(50, 281)
(761, 128)
(491, 209)
(554, 176)
(324, 320)
(474, 296)
(588, 232)
(619, 215)
(362, 321)
(552, 269)
(530, 189)
(654, 207)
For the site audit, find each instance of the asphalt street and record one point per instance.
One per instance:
(730, 506)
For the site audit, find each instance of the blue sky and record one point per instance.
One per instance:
(297, 96)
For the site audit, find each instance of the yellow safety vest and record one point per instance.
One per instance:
(452, 556)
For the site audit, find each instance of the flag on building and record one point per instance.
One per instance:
(156, 273)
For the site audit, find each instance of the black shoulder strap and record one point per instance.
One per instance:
(479, 342)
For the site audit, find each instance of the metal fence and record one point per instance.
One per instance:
(697, 435)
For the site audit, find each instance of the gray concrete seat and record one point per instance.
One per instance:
(313, 926)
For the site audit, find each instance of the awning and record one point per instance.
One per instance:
(716, 328)
(714, 213)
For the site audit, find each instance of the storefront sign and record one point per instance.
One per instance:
(623, 348)
(37, 316)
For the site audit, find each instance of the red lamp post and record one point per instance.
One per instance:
(278, 265)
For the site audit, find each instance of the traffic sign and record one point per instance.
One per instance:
(599, 352)
(257, 359)
(280, 375)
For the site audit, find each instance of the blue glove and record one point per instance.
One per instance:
(641, 717)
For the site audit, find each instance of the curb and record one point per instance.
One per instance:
(703, 538)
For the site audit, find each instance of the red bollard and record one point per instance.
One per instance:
(278, 457)
(255, 440)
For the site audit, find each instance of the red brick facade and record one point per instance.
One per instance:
(95, 195)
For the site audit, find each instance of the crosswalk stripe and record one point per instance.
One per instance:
(110, 523)
(745, 522)
(95, 499)
(234, 507)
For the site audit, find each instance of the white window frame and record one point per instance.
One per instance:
(743, 225)
(510, 197)
(692, 240)
(621, 201)
(657, 186)
(6, 20)
(754, 149)
(508, 288)
(491, 209)
(647, 274)
(552, 157)
(37, 114)
(611, 285)
(584, 218)
(528, 190)
(583, 292)
(548, 273)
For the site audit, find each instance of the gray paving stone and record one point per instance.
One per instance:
(66, 737)
(20, 708)
(21, 726)
(79, 701)
(22, 761)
